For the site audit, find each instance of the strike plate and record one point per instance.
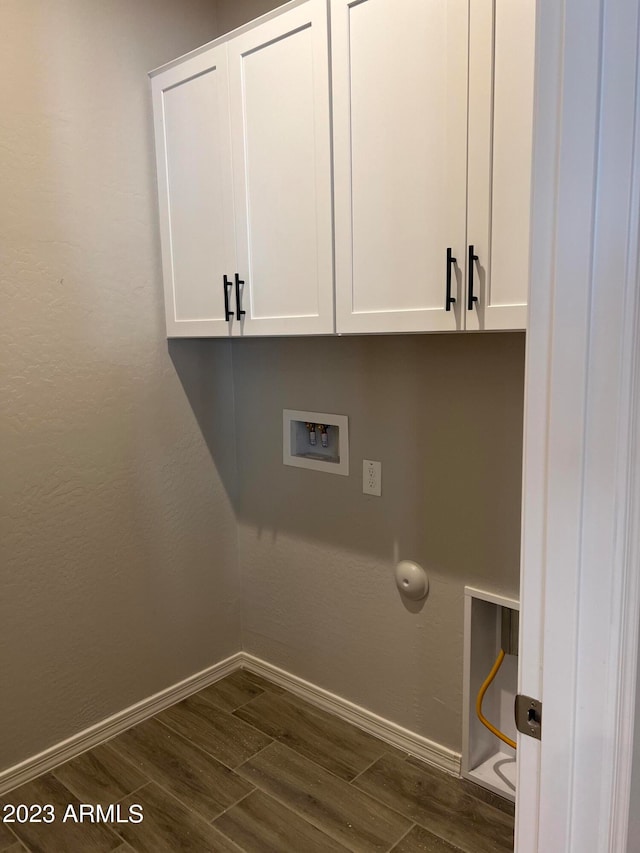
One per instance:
(529, 716)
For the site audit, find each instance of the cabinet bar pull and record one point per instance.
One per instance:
(239, 311)
(472, 258)
(450, 300)
(228, 314)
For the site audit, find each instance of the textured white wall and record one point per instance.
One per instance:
(118, 537)
(443, 413)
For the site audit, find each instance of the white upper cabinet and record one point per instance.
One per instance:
(195, 192)
(428, 110)
(281, 132)
(501, 65)
(432, 108)
(400, 148)
(243, 142)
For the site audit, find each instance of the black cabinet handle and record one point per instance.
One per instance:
(450, 300)
(228, 314)
(472, 258)
(239, 311)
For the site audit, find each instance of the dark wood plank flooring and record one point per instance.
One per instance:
(247, 767)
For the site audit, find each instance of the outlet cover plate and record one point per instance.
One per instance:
(371, 477)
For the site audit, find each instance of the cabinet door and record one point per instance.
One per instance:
(279, 90)
(400, 131)
(193, 150)
(502, 43)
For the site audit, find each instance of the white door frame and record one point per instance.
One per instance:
(580, 587)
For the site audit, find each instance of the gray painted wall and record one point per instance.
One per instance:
(444, 416)
(120, 499)
(234, 13)
(118, 537)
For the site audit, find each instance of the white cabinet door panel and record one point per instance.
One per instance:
(279, 85)
(400, 129)
(501, 63)
(195, 192)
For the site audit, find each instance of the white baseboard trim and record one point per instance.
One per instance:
(114, 725)
(408, 741)
(417, 745)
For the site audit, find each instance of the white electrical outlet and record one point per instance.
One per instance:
(371, 477)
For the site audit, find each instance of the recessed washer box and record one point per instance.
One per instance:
(329, 453)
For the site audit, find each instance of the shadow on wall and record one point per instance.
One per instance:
(232, 13)
(443, 413)
(205, 371)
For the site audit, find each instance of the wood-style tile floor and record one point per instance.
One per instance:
(246, 766)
